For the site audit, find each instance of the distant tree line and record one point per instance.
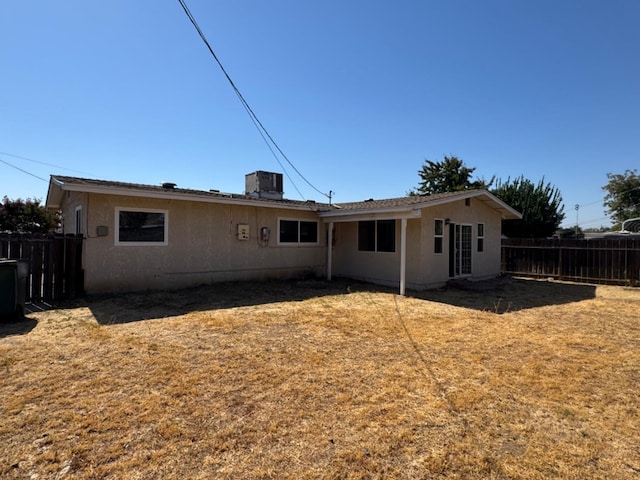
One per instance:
(26, 216)
(539, 202)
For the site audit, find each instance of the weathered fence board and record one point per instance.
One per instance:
(614, 261)
(55, 264)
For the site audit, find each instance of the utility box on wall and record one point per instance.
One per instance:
(243, 231)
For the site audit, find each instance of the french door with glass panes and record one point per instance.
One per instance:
(459, 250)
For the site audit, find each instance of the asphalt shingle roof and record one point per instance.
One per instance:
(401, 201)
(211, 194)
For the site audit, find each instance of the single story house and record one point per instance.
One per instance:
(140, 237)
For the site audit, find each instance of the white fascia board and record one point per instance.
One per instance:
(494, 202)
(180, 196)
(372, 214)
(490, 199)
(54, 194)
(511, 213)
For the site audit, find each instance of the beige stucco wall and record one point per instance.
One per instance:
(202, 245)
(425, 269)
(486, 264)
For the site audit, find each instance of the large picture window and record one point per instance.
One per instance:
(377, 236)
(141, 226)
(297, 232)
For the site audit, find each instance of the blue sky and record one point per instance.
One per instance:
(356, 93)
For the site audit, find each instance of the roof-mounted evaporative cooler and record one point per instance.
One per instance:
(264, 185)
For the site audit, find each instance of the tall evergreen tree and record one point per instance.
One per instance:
(449, 175)
(541, 207)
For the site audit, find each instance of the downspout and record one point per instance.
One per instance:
(403, 255)
(329, 250)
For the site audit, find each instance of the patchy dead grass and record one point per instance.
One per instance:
(309, 380)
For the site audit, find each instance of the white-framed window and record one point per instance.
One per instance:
(481, 237)
(297, 232)
(141, 226)
(438, 235)
(79, 224)
(377, 236)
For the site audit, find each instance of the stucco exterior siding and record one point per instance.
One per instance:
(376, 267)
(486, 264)
(425, 268)
(202, 245)
(142, 237)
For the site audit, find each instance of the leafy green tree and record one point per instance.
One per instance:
(541, 207)
(26, 216)
(449, 175)
(623, 195)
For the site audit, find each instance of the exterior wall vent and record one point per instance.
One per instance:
(264, 185)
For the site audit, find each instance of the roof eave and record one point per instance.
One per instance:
(388, 213)
(54, 194)
(506, 212)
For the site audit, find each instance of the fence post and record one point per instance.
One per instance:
(560, 260)
(48, 262)
(37, 252)
(58, 267)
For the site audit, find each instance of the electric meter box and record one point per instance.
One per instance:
(243, 231)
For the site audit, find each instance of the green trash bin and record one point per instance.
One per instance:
(13, 287)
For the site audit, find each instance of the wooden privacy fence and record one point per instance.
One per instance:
(55, 264)
(613, 261)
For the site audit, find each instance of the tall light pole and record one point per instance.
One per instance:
(577, 209)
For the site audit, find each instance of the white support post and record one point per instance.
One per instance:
(403, 255)
(329, 250)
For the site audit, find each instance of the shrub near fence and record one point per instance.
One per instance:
(614, 261)
(55, 264)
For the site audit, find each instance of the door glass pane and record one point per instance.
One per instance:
(465, 250)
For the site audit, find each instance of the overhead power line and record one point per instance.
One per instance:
(41, 163)
(254, 118)
(23, 171)
(602, 201)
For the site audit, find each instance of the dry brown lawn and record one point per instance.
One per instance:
(523, 379)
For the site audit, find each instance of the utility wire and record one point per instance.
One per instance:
(254, 118)
(41, 163)
(598, 201)
(23, 171)
(245, 105)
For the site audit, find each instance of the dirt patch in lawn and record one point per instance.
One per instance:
(316, 380)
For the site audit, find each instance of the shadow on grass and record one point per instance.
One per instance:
(20, 324)
(506, 294)
(133, 307)
(497, 296)
(16, 325)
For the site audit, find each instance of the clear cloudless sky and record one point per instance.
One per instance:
(356, 93)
